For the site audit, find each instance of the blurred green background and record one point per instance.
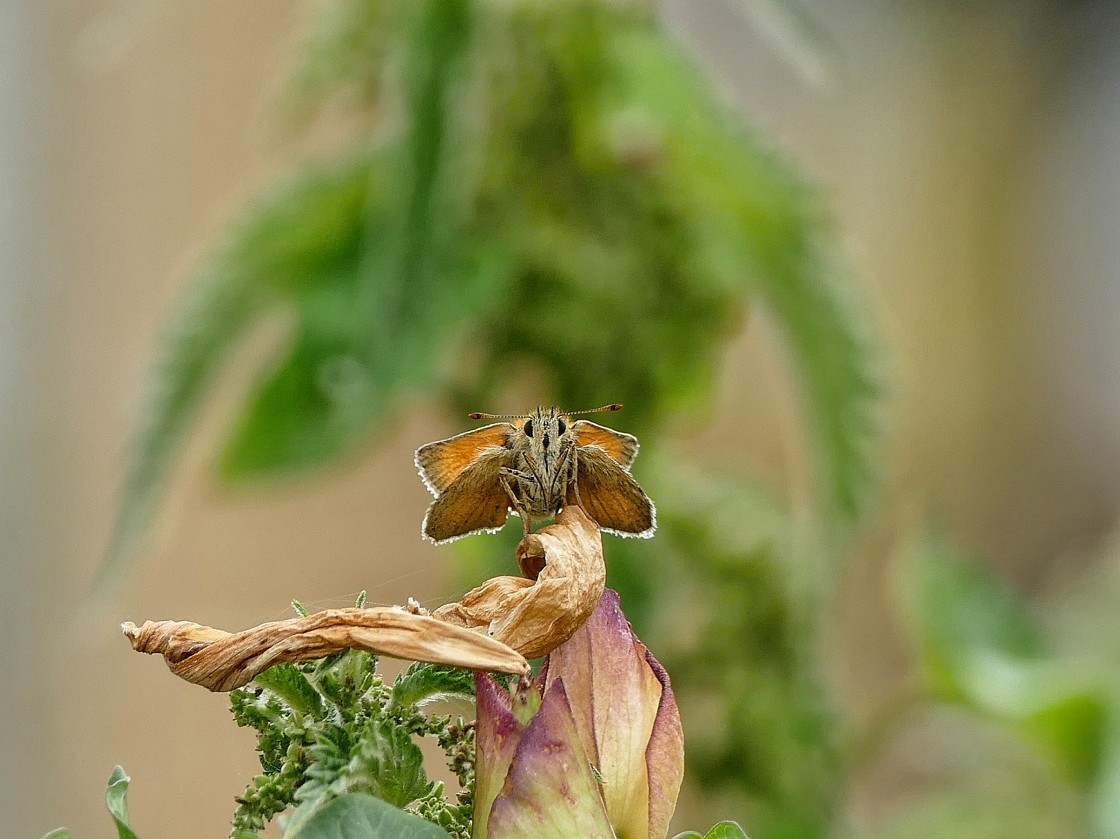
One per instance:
(850, 266)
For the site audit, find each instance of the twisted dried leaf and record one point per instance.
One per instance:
(222, 661)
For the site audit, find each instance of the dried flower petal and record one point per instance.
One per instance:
(534, 618)
(222, 661)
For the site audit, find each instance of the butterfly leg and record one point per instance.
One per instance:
(565, 481)
(504, 475)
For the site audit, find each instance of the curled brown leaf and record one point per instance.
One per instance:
(222, 661)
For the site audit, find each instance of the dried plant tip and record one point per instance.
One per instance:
(567, 574)
(222, 661)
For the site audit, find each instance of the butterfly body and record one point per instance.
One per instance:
(533, 466)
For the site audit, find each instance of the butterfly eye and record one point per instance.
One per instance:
(529, 428)
(561, 427)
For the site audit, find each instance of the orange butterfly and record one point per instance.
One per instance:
(533, 466)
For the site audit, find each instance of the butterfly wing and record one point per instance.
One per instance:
(475, 501)
(441, 462)
(621, 447)
(611, 496)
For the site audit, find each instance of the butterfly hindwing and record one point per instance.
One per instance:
(611, 496)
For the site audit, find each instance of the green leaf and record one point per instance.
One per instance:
(289, 683)
(58, 833)
(116, 799)
(980, 647)
(391, 765)
(319, 402)
(758, 226)
(358, 816)
(723, 830)
(1071, 721)
(423, 682)
(380, 322)
(964, 618)
(383, 761)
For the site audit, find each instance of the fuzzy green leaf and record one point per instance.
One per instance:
(58, 833)
(116, 799)
(391, 765)
(382, 760)
(358, 816)
(289, 683)
(423, 682)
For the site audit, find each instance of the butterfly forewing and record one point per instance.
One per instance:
(441, 462)
(611, 496)
(475, 502)
(621, 447)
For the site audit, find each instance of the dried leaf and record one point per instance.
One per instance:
(536, 616)
(222, 661)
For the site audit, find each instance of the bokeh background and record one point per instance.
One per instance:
(967, 154)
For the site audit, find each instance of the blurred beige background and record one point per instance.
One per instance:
(970, 153)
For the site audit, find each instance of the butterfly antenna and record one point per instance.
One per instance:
(484, 415)
(614, 406)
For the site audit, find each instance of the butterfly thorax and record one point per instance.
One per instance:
(543, 462)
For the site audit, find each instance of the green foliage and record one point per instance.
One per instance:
(1043, 721)
(750, 218)
(355, 736)
(556, 191)
(980, 647)
(423, 682)
(723, 830)
(343, 56)
(290, 684)
(964, 618)
(359, 816)
(298, 245)
(116, 799)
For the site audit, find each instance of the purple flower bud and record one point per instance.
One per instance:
(604, 755)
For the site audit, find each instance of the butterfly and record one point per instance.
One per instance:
(534, 465)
